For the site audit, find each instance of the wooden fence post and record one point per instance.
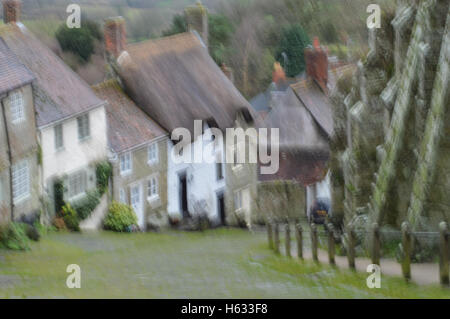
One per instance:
(331, 247)
(406, 243)
(270, 235)
(314, 242)
(375, 244)
(276, 238)
(351, 247)
(444, 247)
(299, 235)
(287, 231)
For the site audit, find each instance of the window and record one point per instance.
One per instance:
(17, 107)
(122, 196)
(153, 154)
(20, 181)
(83, 127)
(77, 184)
(153, 187)
(59, 140)
(242, 200)
(125, 164)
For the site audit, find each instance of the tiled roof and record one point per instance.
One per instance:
(175, 81)
(13, 74)
(317, 102)
(128, 125)
(298, 130)
(63, 94)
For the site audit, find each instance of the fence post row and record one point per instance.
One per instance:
(276, 238)
(287, 244)
(331, 246)
(269, 235)
(299, 235)
(314, 242)
(351, 247)
(406, 243)
(375, 244)
(444, 252)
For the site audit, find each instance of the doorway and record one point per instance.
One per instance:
(221, 208)
(183, 196)
(136, 204)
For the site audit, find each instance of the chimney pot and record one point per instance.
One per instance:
(115, 36)
(11, 11)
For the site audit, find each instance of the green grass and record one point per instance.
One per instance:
(215, 264)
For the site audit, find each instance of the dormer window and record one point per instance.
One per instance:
(17, 107)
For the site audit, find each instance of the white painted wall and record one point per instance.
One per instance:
(320, 189)
(202, 183)
(75, 155)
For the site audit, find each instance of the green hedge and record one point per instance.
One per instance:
(120, 218)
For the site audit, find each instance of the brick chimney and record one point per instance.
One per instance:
(278, 74)
(115, 36)
(316, 59)
(11, 10)
(197, 20)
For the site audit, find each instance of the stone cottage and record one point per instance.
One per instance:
(19, 150)
(138, 148)
(70, 118)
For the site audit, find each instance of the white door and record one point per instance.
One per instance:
(136, 203)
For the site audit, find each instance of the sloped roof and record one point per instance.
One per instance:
(175, 81)
(128, 125)
(298, 130)
(13, 74)
(63, 93)
(317, 102)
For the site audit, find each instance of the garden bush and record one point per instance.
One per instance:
(103, 172)
(85, 206)
(120, 218)
(13, 236)
(70, 218)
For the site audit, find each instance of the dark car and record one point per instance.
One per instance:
(320, 210)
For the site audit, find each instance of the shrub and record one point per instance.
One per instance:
(120, 218)
(79, 41)
(103, 172)
(14, 237)
(32, 232)
(70, 218)
(85, 206)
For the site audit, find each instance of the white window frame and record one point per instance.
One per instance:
(21, 181)
(56, 128)
(122, 196)
(17, 107)
(153, 154)
(80, 176)
(153, 187)
(84, 129)
(126, 164)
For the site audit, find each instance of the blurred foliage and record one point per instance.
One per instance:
(79, 41)
(179, 25)
(14, 236)
(103, 172)
(120, 218)
(70, 218)
(290, 52)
